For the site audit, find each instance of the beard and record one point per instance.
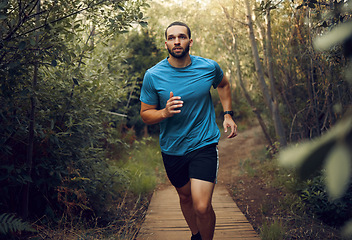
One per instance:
(179, 55)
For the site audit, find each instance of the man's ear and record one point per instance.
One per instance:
(191, 42)
(165, 45)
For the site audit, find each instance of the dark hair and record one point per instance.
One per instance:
(179, 24)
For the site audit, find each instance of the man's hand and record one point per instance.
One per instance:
(229, 123)
(172, 106)
(151, 115)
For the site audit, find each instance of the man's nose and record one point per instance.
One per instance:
(177, 41)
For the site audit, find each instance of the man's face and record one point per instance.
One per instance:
(178, 41)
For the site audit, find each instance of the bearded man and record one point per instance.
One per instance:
(176, 94)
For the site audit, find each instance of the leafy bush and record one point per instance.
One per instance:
(332, 212)
(59, 96)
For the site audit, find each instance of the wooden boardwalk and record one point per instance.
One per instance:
(164, 220)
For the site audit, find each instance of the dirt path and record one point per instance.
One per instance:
(164, 219)
(234, 151)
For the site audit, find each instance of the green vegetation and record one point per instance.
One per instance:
(71, 139)
(298, 209)
(273, 231)
(143, 167)
(124, 190)
(9, 223)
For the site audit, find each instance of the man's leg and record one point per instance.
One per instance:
(202, 192)
(186, 204)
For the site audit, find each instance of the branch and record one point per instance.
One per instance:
(113, 113)
(57, 20)
(231, 18)
(21, 21)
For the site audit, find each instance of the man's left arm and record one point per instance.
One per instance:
(224, 91)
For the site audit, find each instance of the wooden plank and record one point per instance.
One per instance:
(164, 220)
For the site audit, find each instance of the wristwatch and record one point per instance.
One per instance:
(228, 112)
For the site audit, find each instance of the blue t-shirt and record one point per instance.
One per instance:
(194, 127)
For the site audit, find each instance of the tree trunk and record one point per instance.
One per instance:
(248, 98)
(31, 137)
(239, 77)
(264, 88)
(279, 127)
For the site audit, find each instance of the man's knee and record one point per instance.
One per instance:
(202, 209)
(185, 198)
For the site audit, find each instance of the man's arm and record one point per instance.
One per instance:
(224, 91)
(151, 115)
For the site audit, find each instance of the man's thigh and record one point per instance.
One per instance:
(202, 192)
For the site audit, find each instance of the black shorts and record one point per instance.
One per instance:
(200, 164)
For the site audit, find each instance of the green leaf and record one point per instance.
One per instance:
(338, 171)
(54, 63)
(315, 159)
(307, 157)
(8, 223)
(75, 80)
(336, 36)
(32, 41)
(22, 45)
(2, 16)
(143, 24)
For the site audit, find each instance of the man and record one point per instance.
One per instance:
(176, 94)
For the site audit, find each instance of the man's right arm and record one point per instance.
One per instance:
(151, 115)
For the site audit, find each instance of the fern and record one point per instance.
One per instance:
(9, 223)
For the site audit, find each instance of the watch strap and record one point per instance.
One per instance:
(228, 112)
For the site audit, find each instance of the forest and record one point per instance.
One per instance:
(72, 143)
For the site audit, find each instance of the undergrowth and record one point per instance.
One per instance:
(300, 209)
(139, 168)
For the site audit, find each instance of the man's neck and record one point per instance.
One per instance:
(180, 62)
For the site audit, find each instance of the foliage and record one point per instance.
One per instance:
(61, 77)
(132, 175)
(333, 213)
(332, 150)
(9, 223)
(143, 54)
(302, 208)
(272, 231)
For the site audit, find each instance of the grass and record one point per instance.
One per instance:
(140, 169)
(272, 231)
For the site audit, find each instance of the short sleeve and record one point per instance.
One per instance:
(219, 74)
(148, 92)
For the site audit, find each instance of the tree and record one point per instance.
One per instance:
(50, 124)
(234, 51)
(331, 151)
(143, 54)
(270, 99)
